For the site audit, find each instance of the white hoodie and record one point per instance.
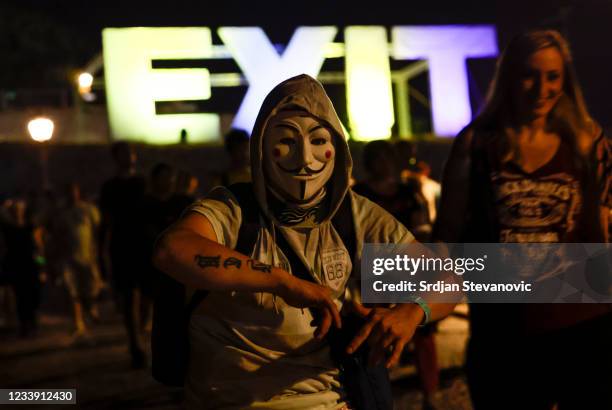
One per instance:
(251, 350)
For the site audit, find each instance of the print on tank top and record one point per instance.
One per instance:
(542, 206)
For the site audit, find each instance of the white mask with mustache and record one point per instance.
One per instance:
(299, 155)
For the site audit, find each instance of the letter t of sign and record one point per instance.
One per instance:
(446, 50)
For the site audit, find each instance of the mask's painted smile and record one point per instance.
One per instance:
(302, 171)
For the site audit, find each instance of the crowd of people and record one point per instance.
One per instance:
(273, 252)
(89, 245)
(97, 246)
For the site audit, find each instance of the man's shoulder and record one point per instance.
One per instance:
(233, 194)
(375, 223)
(219, 201)
(363, 206)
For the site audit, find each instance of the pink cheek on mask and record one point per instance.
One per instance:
(328, 154)
(276, 152)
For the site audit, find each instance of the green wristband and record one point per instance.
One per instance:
(423, 305)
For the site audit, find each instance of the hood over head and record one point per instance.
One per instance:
(306, 95)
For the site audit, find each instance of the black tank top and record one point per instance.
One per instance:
(539, 206)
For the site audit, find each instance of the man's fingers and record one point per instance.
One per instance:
(324, 324)
(361, 336)
(397, 352)
(334, 313)
(362, 311)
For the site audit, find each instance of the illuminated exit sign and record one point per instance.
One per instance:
(133, 86)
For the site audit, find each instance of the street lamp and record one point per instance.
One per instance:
(41, 130)
(85, 82)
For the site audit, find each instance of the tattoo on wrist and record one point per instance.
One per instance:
(259, 266)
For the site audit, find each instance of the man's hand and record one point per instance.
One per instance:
(386, 329)
(303, 294)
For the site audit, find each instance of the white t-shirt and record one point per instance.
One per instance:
(251, 350)
(78, 225)
(431, 191)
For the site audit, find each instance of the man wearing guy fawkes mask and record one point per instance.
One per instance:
(253, 342)
(299, 158)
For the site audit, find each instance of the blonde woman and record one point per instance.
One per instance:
(537, 169)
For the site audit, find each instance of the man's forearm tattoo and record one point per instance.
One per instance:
(207, 261)
(231, 261)
(259, 266)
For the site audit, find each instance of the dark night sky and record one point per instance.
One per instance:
(75, 28)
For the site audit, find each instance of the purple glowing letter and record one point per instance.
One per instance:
(446, 48)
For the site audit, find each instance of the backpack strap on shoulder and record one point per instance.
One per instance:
(344, 224)
(249, 228)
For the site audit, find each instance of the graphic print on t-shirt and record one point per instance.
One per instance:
(335, 268)
(536, 209)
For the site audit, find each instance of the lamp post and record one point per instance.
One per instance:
(41, 131)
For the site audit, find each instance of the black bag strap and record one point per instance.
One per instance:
(344, 223)
(249, 227)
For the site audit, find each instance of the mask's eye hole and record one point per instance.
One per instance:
(287, 141)
(318, 141)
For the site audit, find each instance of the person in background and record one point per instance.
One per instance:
(158, 216)
(8, 316)
(237, 147)
(533, 167)
(410, 169)
(77, 226)
(24, 265)
(407, 204)
(430, 188)
(51, 236)
(383, 186)
(185, 193)
(121, 204)
(162, 180)
(405, 156)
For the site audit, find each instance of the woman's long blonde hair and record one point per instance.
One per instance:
(569, 117)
